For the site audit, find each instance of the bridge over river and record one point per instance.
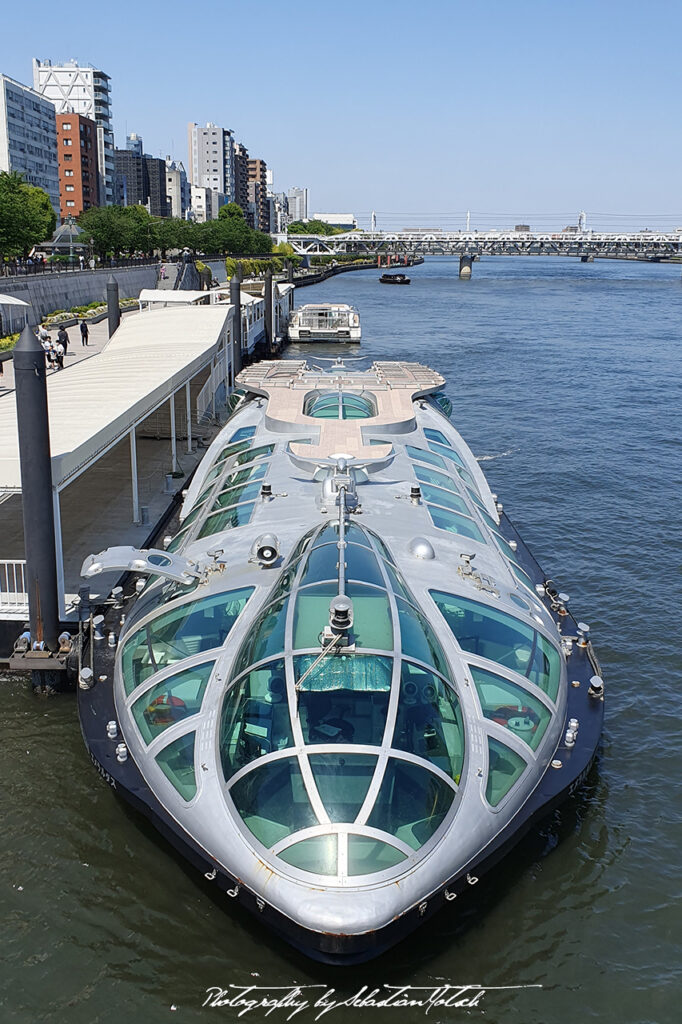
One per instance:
(471, 245)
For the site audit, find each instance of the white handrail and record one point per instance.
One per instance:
(13, 593)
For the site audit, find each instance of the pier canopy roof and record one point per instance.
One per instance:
(95, 403)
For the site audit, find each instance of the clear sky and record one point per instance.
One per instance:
(517, 110)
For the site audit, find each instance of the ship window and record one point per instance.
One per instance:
(177, 541)
(367, 855)
(186, 630)
(255, 453)
(429, 722)
(383, 550)
(255, 718)
(492, 634)
(242, 434)
(436, 435)
(176, 761)
(372, 626)
(505, 767)
(476, 498)
(397, 583)
(418, 640)
(453, 522)
(467, 478)
(226, 520)
(344, 699)
(422, 456)
(487, 518)
(342, 781)
(272, 800)
(411, 804)
(511, 706)
(171, 701)
(361, 564)
(447, 452)
(431, 476)
(522, 576)
(234, 495)
(238, 477)
(197, 511)
(232, 449)
(442, 400)
(445, 498)
(300, 547)
(337, 405)
(267, 640)
(317, 855)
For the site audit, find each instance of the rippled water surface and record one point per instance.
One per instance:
(565, 378)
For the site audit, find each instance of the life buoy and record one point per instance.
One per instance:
(165, 709)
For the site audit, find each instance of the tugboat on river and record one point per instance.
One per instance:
(394, 279)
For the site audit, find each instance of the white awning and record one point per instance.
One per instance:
(94, 403)
(9, 300)
(180, 297)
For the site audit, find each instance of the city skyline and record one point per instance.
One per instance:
(525, 114)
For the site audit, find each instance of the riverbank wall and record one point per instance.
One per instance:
(49, 292)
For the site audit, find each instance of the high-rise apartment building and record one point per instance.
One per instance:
(241, 175)
(77, 154)
(297, 199)
(76, 89)
(258, 193)
(140, 179)
(211, 158)
(177, 189)
(134, 142)
(28, 137)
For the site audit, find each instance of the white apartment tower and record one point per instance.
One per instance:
(211, 158)
(83, 90)
(28, 137)
(297, 199)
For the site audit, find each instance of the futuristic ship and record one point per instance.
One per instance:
(344, 688)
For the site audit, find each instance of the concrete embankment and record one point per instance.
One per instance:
(48, 292)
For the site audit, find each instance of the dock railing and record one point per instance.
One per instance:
(13, 595)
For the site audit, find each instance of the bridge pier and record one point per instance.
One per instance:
(465, 266)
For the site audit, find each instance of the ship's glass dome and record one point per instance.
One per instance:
(337, 405)
(342, 763)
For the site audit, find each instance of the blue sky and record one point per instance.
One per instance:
(517, 111)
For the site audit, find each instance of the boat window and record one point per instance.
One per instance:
(239, 476)
(383, 550)
(511, 706)
(228, 518)
(505, 767)
(301, 545)
(436, 435)
(442, 400)
(367, 855)
(487, 518)
(503, 638)
(418, 639)
(322, 564)
(429, 722)
(342, 781)
(272, 800)
(232, 449)
(234, 495)
(361, 564)
(467, 477)
(255, 453)
(337, 405)
(522, 576)
(398, 585)
(243, 433)
(423, 456)
(197, 511)
(453, 522)
(176, 698)
(329, 534)
(177, 634)
(431, 476)
(477, 500)
(317, 855)
(176, 761)
(266, 639)
(255, 718)
(344, 699)
(177, 541)
(411, 804)
(447, 452)
(447, 499)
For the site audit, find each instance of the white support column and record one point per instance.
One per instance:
(59, 551)
(188, 404)
(174, 443)
(133, 477)
(212, 379)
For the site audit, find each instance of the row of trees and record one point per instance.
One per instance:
(313, 227)
(121, 230)
(26, 216)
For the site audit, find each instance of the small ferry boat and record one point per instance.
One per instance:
(325, 321)
(343, 687)
(394, 279)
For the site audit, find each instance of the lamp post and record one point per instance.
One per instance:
(69, 221)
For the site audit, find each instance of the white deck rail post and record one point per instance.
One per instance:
(174, 444)
(133, 475)
(59, 551)
(188, 406)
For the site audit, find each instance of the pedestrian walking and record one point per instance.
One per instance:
(63, 338)
(84, 333)
(47, 349)
(43, 333)
(81, 260)
(59, 355)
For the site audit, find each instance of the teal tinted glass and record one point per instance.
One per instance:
(176, 761)
(420, 455)
(342, 781)
(545, 667)
(243, 433)
(426, 475)
(272, 800)
(453, 522)
(318, 855)
(511, 706)
(176, 698)
(322, 564)
(367, 856)
(505, 767)
(444, 402)
(446, 453)
(232, 449)
(447, 499)
(436, 435)
(265, 638)
(197, 511)
(227, 519)
(411, 804)
(522, 576)
(178, 541)
(355, 407)
(417, 638)
(255, 718)
(235, 495)
(372, 625)
(186, 630)
(255, 453)
(344, 699)
(429, 721)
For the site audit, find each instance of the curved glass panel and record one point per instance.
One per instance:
(344, 699)
(411, 804)
(177, 634)
(522, 576)
(511, 706)
(429, 721)
(367, 855)
(337, 405)
(227, 519)
(266, 638)
(423, 456)
(197, 511)
(234, 495)
(467, 477)
(426, 475)
(372, 625)
(319, 855)
(447, 452)
(231, 449)
(439, 496)
(176, 698)
(357, 407)
(255, 453)
(398, 585)
(480, 629)
(442, 400)
(342, 781)
(255, 718)
(417, 638)
(243, 433)
(177, 541)
(436, 435)
(272, 801)
(176, 761)
(505, 766)
(322, 564)
(453, 522)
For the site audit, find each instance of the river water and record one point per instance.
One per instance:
(565, 378)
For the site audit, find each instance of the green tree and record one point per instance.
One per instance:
(108, 228)
(26, 215)
(312, 227)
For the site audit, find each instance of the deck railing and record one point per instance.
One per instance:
(13, 594)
